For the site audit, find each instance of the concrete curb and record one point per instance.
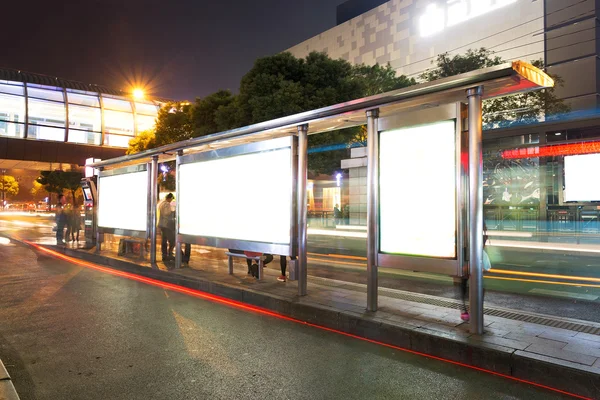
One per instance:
(7, 389)
(563, 375)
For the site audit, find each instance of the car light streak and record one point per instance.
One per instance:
(259, 310)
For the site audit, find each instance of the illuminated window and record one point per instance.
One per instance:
(84, 137)
(46, 113)
(146, 109)
(12, 89)
(116, 104)
(145, 122)
(12, 108)
(331, 197)
(118, 122)
(44, 94)
(46, 133)
(117, 140)
(85, 118)
(84, 100)
(11, 130)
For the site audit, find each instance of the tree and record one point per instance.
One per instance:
(205, 110)
(505, 111)
(51, 182)
(8, 187)
(275, 87)
(143, 141)
(377, 79)
(71, 181)
(38, 192)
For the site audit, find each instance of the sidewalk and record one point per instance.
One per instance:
(527, 346)
(7, 389)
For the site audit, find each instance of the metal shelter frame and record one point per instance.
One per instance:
(466, 89)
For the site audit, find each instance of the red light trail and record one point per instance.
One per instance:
(259, 310)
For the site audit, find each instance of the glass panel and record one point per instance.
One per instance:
(12, 89)
(84, 137)
(145, 108)
(85, 118)
(12, 108)
(115, 104)
(145, 122)
(46, 133)
(55, 95)
(118, 122)
(46, 113)
(11, 130)
(13, 83)
(116, 140)
(83, 99)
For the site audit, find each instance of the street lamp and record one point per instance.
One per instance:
(138, 93)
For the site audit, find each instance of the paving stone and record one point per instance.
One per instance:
(3, 372)
(587, 336)
(7, 391)
(553, 352)
(582, 349)
(513, 344)
(535, 340)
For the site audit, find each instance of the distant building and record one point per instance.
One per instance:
(410, 34)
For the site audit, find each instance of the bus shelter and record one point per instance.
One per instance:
(423, 142)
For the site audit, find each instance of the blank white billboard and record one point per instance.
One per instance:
(417, 184)
(581, 184)
(123, 201)
(246, 197)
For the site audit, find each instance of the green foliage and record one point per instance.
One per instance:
(508, 110)
(9, 185)
(205, 110)
(377, 79)
(275, 87)
(58, 181)
(173, 124)
(143, 141)
(459, 64)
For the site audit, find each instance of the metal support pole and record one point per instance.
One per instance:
(475, 210)
(178, 253)
(153, 209)
(372, 207)
(302, 271)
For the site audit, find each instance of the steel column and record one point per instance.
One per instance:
(475, 210)
(302, 271)
(178, 258)
(153, 209)
(372, 207)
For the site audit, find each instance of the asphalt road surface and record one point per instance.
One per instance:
(70, 332)
(569, 287)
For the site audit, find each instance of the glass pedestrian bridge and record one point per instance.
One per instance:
(39, 107)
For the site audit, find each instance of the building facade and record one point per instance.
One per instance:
(410, 34)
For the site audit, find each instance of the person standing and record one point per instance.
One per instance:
(283, 266)
(167, 228)
(61, 219)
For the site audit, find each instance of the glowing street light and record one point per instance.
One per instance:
(138, 93)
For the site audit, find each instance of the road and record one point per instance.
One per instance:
(564, 285)
(71, 332)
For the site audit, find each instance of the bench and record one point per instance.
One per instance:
(261, 264)
(131, 246)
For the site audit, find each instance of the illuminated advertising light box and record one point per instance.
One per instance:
(417, 194)
(123, 201)
(243, 197)
(580, 182)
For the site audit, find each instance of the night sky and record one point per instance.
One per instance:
(184, 48)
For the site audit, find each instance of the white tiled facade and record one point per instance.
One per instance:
(392, 33)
